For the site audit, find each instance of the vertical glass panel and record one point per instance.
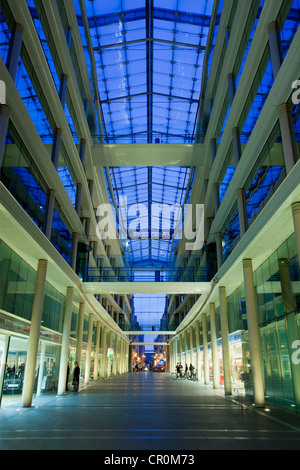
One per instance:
(44, 43)
(47, 368)
(296, 128)
(5, 35)
(249, 42)
(266, 176)
(18, 283)
(290, 27)
(74, 320)
(66, 174)
(227, 173)
(61, 236)
(259, 92)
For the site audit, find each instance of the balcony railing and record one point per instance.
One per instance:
(145, 274)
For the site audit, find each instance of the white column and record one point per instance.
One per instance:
(198, 356)
(170, 345)
(64, 356)
(109, 359)
(97, 344)
(225, 341)
(80, 332)
(219, 249)
(192, 346)
(205, 349)
(115, 355)
(214, 346)
(75, 238)
(34, 336)
(186, 346)
(231, 88)
(175, 352)
(121, 356)
(253, 331)
(89, 350)
(126, 357)
(296, 220)
(104, 353)
(213, 149)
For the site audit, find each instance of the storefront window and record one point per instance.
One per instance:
(47, 371)
(278, 308)
(14, 370)
(266, 176)
(53, 308)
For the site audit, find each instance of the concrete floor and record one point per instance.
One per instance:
(146, 411)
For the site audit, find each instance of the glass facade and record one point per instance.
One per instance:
(279, 313)
(278, 309)
(18, 281)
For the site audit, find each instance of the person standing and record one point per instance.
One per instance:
(67, 379)
(76, 377)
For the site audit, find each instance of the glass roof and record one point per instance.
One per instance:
(149, 58)
(168, 186)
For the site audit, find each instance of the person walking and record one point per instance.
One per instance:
(192, 372)
(76, 377)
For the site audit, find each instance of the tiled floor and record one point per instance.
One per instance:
(146, 411)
